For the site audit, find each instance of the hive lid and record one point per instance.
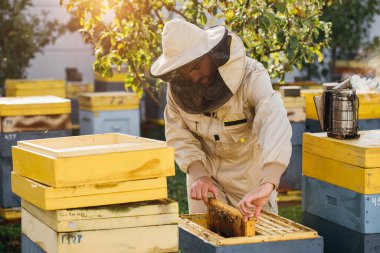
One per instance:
(89, 145)
(35, 105)
(26, 84)
(363, 152)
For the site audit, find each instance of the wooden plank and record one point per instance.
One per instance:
(11, 124)
(355, 178)
(162, 238)
(228, 221)
(90, 169)
(49, 198)
(90, 144)
(108, 217)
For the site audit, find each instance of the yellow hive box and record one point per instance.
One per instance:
(105, 101)
(23, 87)
(294, 102)
(154, 238)
(117, 77)
(369, 104)
(39, 105)
(13, 213)
(50, 198)
(91, 159)
(363, 152)
(137, 214)
(75, 88)
(355, 178)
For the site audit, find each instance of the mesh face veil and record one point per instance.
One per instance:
(197, 98)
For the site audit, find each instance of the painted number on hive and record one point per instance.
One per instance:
(71, 239)
(376, 201)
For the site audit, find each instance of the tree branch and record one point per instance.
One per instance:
(171, 8)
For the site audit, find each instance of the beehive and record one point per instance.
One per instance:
(78, 160)
(114, 83)
(50, 198)
(351, 164)
(23, 87)
(338, 239)
(106, 112)
(273, 234)
(138, 227)
(75, 88)
(353, 210)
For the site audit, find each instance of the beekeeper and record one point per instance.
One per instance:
(227, 125)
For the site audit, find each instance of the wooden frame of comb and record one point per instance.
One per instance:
(227, 221)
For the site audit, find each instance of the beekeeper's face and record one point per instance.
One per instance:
(202, 71)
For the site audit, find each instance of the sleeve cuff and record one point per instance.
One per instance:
(272, 173)
(197, 170)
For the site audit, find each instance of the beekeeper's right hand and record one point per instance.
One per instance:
(201, 187)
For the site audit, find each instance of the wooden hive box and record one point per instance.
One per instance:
(114, 83)
(114, 121)
(150, 226)
(73, 89)
(338, 239)
(24, 87)
(351, 164)
(40, 113)
(273, 234)
(92, 159)
(353, 210)
(50, 198)
(106, 101)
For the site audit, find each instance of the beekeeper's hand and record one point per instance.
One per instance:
(253, 202)
(201, 187)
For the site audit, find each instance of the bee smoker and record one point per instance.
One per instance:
(337, 111)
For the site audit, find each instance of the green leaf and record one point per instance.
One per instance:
(203, 18)
(280, 7)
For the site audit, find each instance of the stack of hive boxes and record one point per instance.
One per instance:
(341, 190)
(72, 91)
(24, 88)
(295, 106)
(26, 118)
(77, 194)
(109, 112)
(369, 110)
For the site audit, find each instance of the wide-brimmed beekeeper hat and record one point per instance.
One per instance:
(183, 42)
